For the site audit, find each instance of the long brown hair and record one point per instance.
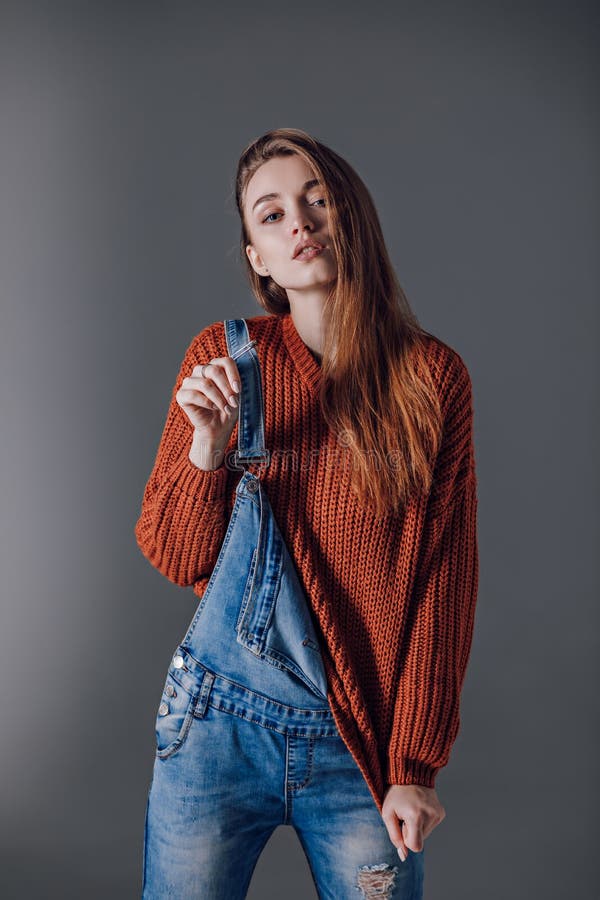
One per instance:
(376, 392)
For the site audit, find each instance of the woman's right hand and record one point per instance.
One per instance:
(210, 403)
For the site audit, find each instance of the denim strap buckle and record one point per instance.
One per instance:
(263, 456)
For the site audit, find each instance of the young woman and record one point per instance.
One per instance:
(315, 484)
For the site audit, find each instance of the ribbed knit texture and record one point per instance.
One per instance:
(393, 596)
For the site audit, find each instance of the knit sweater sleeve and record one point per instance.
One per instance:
(183, 514)
(438, 636)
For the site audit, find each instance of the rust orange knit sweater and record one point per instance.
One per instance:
(394, 596)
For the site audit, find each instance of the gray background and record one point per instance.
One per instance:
(475, 126)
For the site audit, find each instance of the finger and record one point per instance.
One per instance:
(216, 372)
(394, 827)
(194, 398)
(231, 372)
(413, 836)
(199, 394)
(212, 385)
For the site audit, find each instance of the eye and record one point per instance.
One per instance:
(269, 219)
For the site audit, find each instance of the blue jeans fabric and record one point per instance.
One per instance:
(245, 736)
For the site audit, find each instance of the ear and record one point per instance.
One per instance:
(256, 261)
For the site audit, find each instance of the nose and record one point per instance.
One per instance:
(301, 220)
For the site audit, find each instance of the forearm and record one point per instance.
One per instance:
(436, 649)
(184, 508)
(182, 522)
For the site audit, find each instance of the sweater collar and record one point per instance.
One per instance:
(305, 362)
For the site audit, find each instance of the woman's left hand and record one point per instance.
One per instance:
(410, 813)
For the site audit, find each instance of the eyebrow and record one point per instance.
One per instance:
(305, 187)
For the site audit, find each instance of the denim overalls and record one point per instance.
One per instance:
(245, 737)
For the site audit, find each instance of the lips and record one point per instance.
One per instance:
(300, 247)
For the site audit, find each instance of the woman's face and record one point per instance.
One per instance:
(282, 207)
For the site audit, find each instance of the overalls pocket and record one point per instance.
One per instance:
(175, 713)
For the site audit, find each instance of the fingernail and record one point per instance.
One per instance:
(236, 386)
(233, 401)
(401, 854)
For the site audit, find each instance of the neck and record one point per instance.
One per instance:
(308, 321)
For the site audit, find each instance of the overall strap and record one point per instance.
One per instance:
(251, 432)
